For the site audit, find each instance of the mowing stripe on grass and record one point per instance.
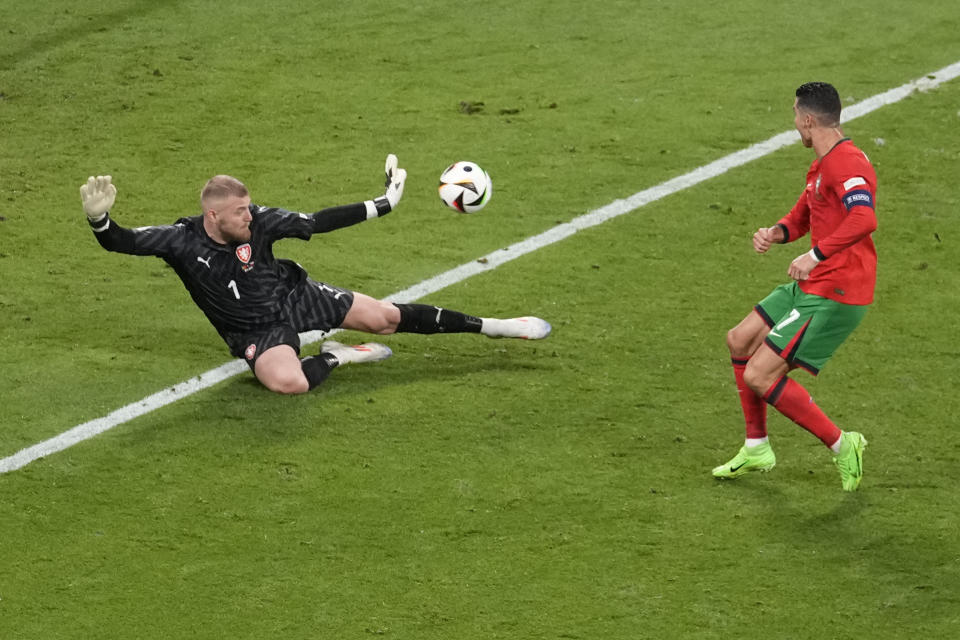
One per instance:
(488, 262)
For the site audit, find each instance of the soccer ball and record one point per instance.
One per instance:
(465, 187)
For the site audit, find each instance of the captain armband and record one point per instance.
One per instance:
(857, 198)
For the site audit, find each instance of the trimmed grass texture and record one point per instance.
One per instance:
(466, 487)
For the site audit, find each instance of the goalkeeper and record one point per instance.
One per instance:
(258, 303)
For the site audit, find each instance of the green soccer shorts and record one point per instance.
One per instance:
(806, 329)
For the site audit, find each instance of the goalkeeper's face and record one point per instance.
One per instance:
(231, 218)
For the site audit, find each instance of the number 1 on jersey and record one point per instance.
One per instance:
(233, 286)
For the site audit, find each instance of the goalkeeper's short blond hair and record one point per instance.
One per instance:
(219, 187)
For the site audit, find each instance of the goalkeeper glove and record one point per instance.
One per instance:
(388, 202)
(97, 195)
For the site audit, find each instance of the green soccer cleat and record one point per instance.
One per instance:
(850, 459)
(758, 458)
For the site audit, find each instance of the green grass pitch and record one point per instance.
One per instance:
(469, 488)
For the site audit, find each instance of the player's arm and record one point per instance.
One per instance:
(857, 197)
(98, 195)
(346, 215)
(796, 223)
(280, 223)
(790, 227)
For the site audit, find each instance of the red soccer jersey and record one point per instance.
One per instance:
(837, 208)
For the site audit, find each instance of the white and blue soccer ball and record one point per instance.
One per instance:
(465, 187)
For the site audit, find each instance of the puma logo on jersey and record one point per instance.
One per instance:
(205, 261)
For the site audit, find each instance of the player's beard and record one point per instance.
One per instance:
(240, 235)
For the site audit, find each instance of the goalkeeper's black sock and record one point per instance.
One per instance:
(424, 318)
(317, 368)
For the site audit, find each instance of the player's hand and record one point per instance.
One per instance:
(97, 195)
(801, 266)
(766, 236)
(388, 201)
(395, 179)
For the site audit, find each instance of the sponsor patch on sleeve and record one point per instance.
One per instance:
(858, 198)
(853, 182)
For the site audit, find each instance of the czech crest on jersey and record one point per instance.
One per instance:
(244, 252)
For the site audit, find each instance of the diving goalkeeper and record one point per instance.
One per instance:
(259, 303)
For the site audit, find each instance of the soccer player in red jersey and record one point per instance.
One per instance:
(801, 324)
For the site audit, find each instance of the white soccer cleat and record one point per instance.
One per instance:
(527, 328)
(356, 353)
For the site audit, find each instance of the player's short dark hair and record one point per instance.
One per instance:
(822, 100)
(222, 186)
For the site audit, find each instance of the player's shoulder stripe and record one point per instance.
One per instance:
(856, 181)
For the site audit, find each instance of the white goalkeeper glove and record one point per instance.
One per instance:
(98, 195)
(394, 183)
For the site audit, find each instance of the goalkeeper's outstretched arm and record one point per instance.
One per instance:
(98, 195)
(346, 215)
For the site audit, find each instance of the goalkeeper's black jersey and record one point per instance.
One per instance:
(239, 286)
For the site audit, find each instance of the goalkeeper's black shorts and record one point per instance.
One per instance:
(312, 306)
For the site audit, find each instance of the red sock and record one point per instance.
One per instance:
(790, 398)
(754, 407)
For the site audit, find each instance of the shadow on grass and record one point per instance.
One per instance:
(241, 407)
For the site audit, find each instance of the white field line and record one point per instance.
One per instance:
(488, 262)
